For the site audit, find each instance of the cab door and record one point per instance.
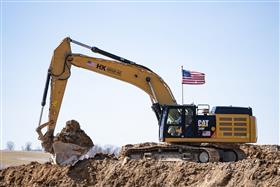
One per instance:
(171, 125)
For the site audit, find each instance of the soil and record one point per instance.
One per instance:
(260, 168)
(72, 133)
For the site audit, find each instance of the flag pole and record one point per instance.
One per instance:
(182, 86)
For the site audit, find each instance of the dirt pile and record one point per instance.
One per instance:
(261, 168)
(72, 133)
(267, 152)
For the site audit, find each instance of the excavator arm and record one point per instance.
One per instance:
(119, 68)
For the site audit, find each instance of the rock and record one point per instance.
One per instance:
(72, 133)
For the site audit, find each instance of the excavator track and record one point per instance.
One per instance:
(228, 152)
(195, 153)
(174, 152)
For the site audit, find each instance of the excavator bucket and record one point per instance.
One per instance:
(70, 144)
(67, 153)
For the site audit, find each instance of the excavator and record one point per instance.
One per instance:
(188, 131)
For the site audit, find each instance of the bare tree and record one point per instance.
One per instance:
(111, 149)
(98, 148)
(10, 145)
(28, 146)
(116, 151)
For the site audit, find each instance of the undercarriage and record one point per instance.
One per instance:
(198, 153)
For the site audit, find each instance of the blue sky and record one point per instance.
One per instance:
(235, 44)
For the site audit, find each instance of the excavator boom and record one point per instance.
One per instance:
(119, 68)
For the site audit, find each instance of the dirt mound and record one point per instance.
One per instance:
(102, 156)
(72, 133)
(261, 168)
(267, 152)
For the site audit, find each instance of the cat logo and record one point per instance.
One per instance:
(202, 124)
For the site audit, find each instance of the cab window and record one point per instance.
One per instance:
(174, 122)
(174, 116)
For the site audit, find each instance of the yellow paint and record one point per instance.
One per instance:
(133, 74)
(249, 123)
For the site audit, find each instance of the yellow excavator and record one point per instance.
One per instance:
(190, 132)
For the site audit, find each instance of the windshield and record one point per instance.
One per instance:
(174, 116)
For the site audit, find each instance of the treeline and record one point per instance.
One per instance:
(10, 145)
(106, 149)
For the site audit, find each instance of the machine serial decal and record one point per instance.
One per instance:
(105, 68)
(114, 71)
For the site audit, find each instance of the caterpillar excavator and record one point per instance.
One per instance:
(189, 132)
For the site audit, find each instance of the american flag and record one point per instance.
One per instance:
(192, 77)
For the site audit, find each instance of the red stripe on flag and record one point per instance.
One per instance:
(193, 77)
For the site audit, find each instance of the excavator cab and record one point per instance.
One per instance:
(191, 123)
(177, 121)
